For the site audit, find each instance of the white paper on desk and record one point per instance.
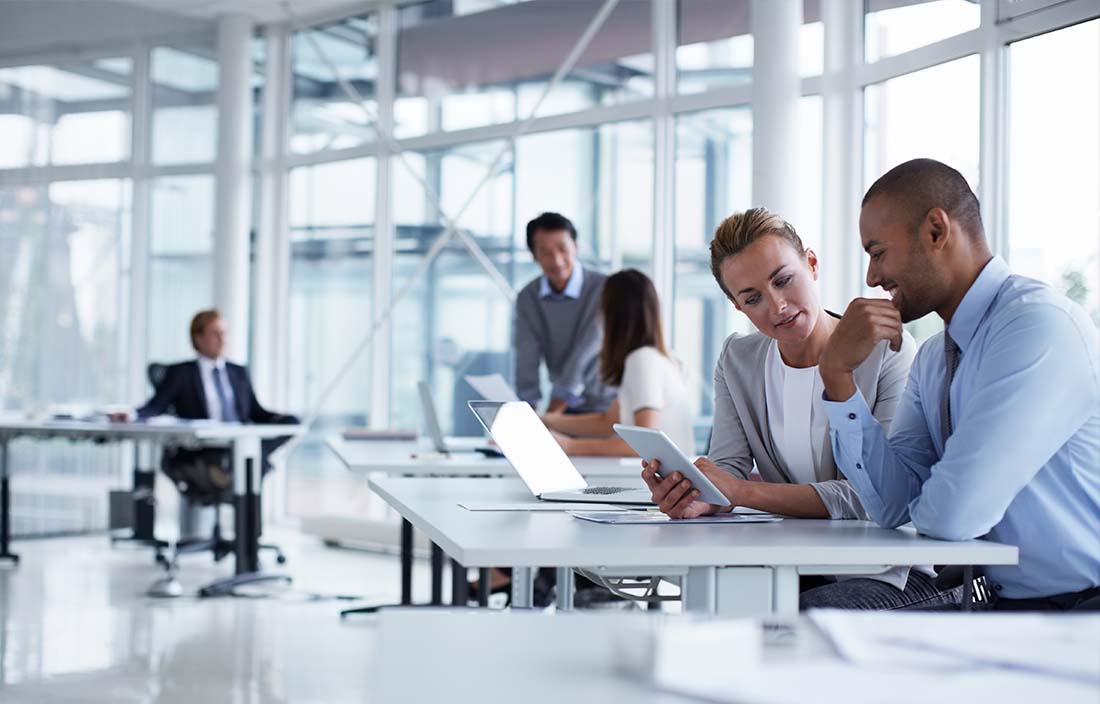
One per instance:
(827, 681)
(542, 506)
(655, 517)
(1064, 646)
(492, 387)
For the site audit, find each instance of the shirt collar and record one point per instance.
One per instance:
(207, 364)
(979, 297)
(572, 288)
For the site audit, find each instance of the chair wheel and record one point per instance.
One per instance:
(281, 559)
(160, 559)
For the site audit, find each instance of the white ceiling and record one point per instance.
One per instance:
(258, 10)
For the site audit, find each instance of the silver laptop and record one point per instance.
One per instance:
(435, 431)
(539, 460)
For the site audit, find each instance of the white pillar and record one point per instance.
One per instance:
(775, 92)
(384, 227)
(664, 162)
(271, 310)
(233, 191)
(842, 153)
(137, 330)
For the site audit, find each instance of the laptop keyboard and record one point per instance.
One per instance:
(605, 490)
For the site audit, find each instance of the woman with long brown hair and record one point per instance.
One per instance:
(652, 389)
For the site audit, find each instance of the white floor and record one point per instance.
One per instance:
(75, 625)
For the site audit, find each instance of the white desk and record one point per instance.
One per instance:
(742, 570)
(410, 459)
(243, 442)
(534, 658)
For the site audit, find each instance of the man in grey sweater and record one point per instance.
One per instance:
(557, 322)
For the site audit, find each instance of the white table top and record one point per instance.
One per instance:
(521, 539)
(479, 655)
(412, 459)
(516, 656)
(198, 431)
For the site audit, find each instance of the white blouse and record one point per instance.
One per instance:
(652, 380)
(796, 417)
(800, 428)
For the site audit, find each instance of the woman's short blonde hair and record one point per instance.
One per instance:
(739, 230)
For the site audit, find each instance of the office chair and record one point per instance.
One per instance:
(204, 477)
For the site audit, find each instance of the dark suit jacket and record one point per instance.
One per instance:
(181, 394)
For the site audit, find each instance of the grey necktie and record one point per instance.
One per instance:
(229, 415)
(951, 357)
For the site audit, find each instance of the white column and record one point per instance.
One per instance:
(138, 327)
(842, 155)
(664, 162)
(775, 92)
(384, 229)
(271, 310)
(232, 206)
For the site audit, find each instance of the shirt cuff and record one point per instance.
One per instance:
(849, 416)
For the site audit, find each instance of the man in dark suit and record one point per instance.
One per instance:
(209, 387)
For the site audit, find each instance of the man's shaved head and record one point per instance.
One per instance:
(917, 186)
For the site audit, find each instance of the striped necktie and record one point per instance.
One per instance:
(229, 414)
(951, 357)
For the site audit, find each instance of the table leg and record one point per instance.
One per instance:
(460, 588)
(143, 498)
(732, 591)
(6, 555)
(484, 586)
(406, 561)
(565, 588)
(246, 542)
(523, 587)
(437, 575)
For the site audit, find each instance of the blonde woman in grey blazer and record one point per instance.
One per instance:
(768, 412)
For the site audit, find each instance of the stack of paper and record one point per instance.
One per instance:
(915, 657)
(657, 518)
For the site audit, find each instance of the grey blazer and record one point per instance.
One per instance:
(741, 436)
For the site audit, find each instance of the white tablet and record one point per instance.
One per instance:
(652, 444)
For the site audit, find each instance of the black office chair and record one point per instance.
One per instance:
(205, 477)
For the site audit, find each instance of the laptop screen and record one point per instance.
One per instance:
(529, 446)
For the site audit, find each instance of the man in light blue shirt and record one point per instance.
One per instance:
(1011, 451)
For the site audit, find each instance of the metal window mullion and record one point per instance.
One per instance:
(993, 162)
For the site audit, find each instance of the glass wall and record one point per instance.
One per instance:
(70, 113)
(181, 264)
(897, 26)
(713, 180)
(715, 43)
(64, 298)
(455, 320)
(458, 70)
(1053, 151)
(899, 126)
(185, 117)
(323, 117)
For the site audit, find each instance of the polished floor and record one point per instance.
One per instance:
(76, 626)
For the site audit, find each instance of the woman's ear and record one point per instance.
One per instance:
(811, 261)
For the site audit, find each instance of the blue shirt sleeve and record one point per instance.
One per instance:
(1032, 391)
(886, 474)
